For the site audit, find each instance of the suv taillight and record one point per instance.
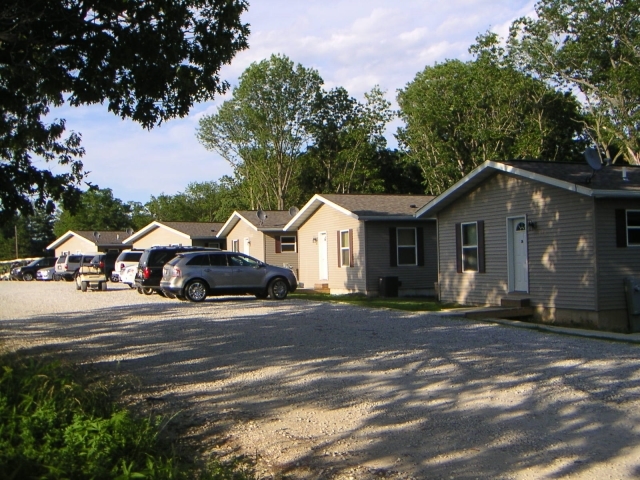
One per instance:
(101, 264)
(146, 273)
(66, 267)
(122, 266)
(176, 272)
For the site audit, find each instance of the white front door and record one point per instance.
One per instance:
(518, 262)
(246, 245)
(323, 256)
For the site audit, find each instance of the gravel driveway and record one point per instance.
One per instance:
(327, 391)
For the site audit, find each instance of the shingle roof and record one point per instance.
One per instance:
(364, 205)
(275, 219)
(608, 178)
(104, 238)
(195, 229)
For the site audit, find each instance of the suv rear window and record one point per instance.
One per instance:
(61, 259)
(129, 257)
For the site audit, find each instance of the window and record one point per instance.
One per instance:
(287, 244)
(235, 246)
(345, 248)
(199, 260)
(407, 246)
(218, 259)
(469, 247)
(633, 227)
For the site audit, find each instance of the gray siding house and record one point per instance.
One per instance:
(263, 239)
(346, 243)
(554, 234)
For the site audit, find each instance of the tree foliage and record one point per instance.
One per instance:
(262, 130)
(97, 209)
(200, 202)
(592, 47)
(460, 114)
(34, 234)
(148, 61)
(347, 138)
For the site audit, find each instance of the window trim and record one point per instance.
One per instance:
(281, 244)
(347, 248)
(628, 228)
(399, 246)
(464, 247)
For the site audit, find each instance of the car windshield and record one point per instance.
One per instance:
(34, 263)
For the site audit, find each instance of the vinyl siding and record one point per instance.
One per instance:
(283, 258)
(242, 231)
(341, 279)
(161, 236)
(415, 279)
(614, 264)
(561, 250)
(76, 245)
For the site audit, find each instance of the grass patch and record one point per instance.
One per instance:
(57, 423)
(410, 304)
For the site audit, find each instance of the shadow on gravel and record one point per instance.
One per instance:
(445, 397)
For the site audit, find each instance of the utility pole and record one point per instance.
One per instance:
(16, 230)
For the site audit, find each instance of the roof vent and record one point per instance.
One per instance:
(413, 205)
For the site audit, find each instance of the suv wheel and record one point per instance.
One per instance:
(147, 290)
(278, 289)
(196, 291)
(28, 277)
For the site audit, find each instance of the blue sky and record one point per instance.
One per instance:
(355, 44)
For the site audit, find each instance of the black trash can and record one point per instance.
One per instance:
(388, 286)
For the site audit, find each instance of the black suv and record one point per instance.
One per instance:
(28, 272)
(151, 263)
(106, 262)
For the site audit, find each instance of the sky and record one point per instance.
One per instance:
(355, 44)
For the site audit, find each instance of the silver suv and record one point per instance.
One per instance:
(68, 264)
(194, 275)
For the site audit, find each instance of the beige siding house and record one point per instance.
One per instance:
(551, 234)
(89, 242)
(264, 238)
(347, 243)
(197, 234)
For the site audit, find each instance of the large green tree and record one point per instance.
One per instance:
(147, 61)
(460, 114)
(262, 130)
(200, 202)
(97, 209)
(348, 137)
(592, 47)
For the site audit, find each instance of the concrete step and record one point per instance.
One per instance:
(499, 312)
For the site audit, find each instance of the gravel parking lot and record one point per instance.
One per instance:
(325, 391)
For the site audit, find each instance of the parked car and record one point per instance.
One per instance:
(128, 277)
(151, 263)
(195, 275)
(127, 258)
(45, 274)
(68, 264)
(28, 272)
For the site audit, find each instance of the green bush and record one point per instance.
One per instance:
(54, 425)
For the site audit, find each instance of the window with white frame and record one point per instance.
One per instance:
(407, 245)
(345, 249)
(633, 227)
(469, 237)
(287, 244)
(235, 246)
